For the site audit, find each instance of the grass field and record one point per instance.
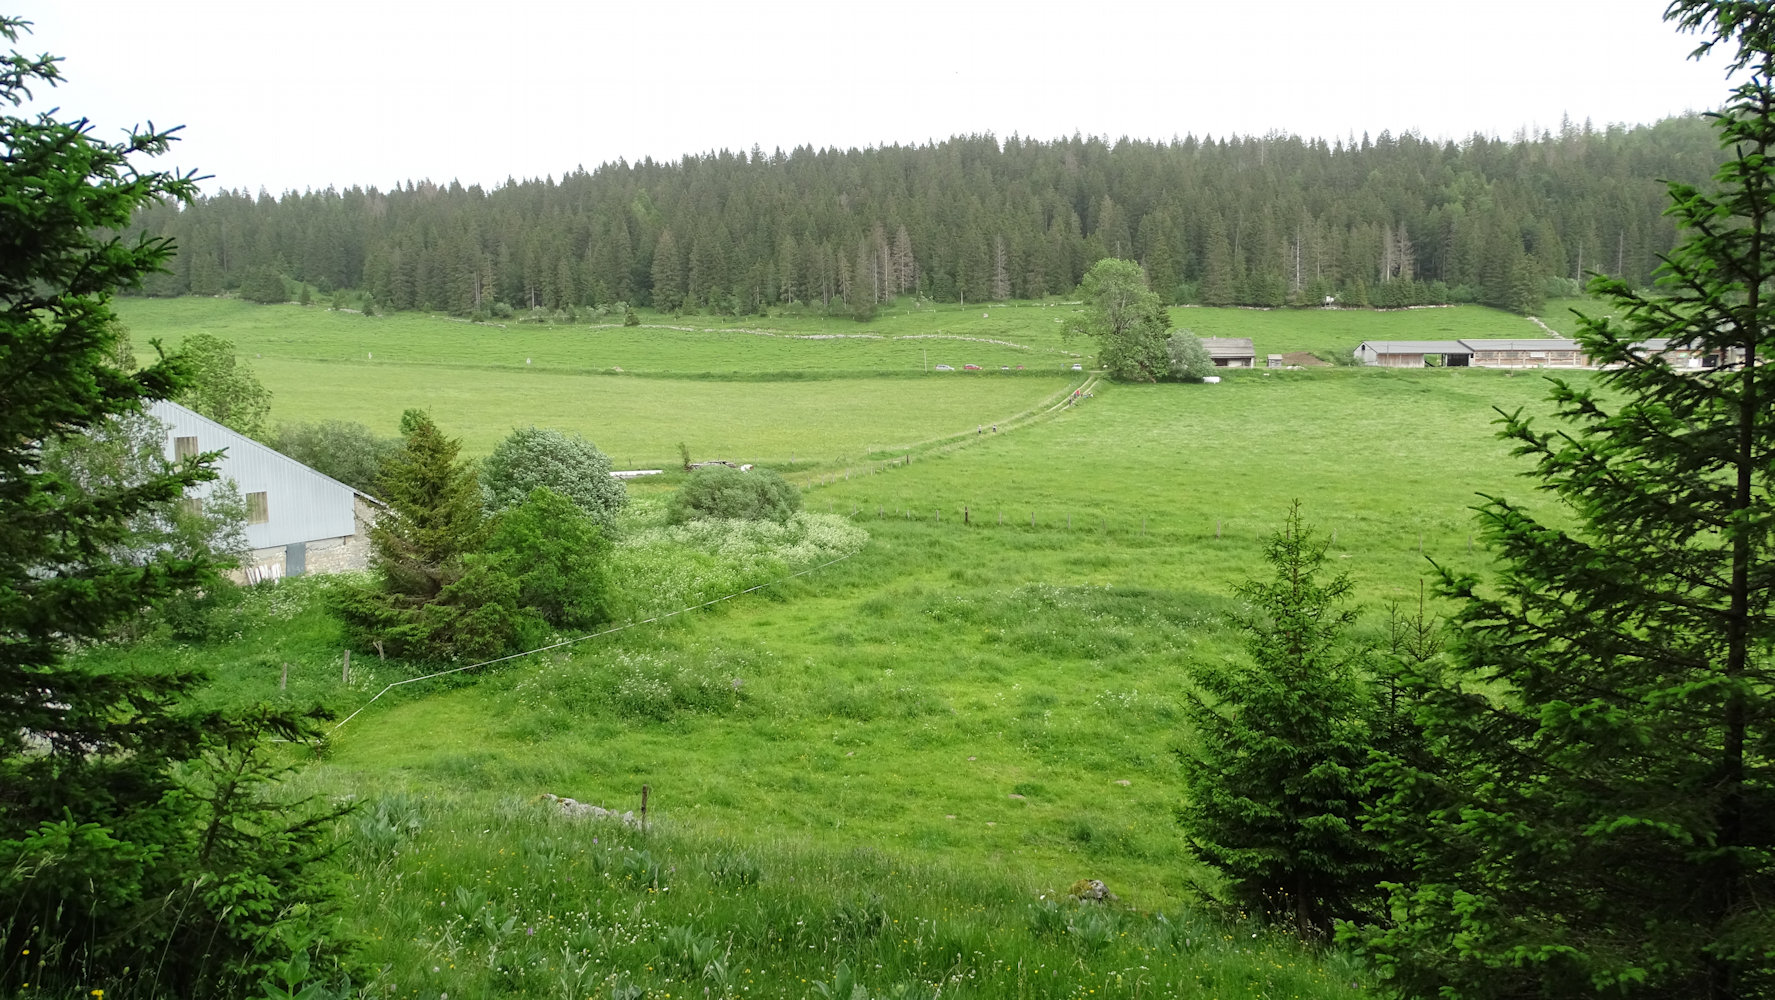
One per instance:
(897, 762)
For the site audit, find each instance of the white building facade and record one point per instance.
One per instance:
(298, 520)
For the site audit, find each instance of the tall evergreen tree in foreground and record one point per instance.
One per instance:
(1601, 820)
(142, 849)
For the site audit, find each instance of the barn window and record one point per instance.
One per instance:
(258, 510)
(184, 447)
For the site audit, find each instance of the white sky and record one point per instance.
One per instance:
(342, 92)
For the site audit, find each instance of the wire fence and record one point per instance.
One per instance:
(578, 639)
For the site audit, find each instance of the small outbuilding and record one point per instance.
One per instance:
(298, 520)
(1230, 352)
(1414, 353)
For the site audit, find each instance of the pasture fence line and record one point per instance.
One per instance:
(566, 642)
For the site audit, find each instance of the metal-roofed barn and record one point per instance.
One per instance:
(1230, 352)
(298, 520)
(1413, 353)
(1546, 352)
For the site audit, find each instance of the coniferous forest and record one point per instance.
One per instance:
(1279, 220)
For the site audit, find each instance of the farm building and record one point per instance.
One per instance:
(1553, 352)
(1231, 352)
(298, 520)
(1413, 353)
(1686, 355)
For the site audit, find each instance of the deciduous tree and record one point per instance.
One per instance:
(1126, 319)
(223, 386)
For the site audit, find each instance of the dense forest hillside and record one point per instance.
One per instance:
(1250, 221)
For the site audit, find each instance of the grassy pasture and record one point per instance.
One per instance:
(931, 734)
(1338, 331)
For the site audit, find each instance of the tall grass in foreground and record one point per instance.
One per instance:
(483, 896)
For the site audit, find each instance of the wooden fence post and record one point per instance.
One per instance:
(284, 682)
(966, 517)
(644, 791)
(345, 671)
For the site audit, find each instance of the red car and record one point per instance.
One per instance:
(970, 368)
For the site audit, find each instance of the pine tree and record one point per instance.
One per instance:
(1273, 777)
(431, 599)
(116, 794)
(1600, 816)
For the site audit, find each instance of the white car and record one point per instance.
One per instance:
(1078, 368)
(944, 368)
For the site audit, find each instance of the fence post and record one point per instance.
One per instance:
(1217, 527)
(939, 513)
(966, 518)
(284, 681)
(644, 791)
(345, 671)
(1032, 519)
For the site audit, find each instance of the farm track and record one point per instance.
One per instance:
(1047, 408)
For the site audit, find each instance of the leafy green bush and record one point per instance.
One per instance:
(571, 466)
(724, 493)
(559, 558)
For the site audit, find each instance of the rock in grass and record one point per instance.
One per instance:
(1090, 890)
(585, 810)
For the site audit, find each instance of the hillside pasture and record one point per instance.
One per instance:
(913, 749)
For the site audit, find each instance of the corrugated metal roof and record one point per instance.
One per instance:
(1543, 344)
(1229, 347)
(1415, 347)
(303, 505)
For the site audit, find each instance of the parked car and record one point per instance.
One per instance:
(1078, 368)
(970, 368)
(944, 368)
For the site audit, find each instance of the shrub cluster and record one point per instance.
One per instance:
(725, 493)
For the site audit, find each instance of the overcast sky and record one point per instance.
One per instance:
(374, 92)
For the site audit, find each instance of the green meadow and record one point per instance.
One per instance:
(883, 773)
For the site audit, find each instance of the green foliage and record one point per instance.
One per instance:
(721, 492)
(1595, 820)
(127, 451)
(1254, 221)
(1274, 775)
(1189, 359)
(266, 287)
(568, 465)
(430, 599)
(559, 558)
(1127, 321)
(346, 450)
(136, 833)
(223, 386)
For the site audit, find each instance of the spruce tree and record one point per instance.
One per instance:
(1273, 773)
(1599, 818)
(432, 599)
(141, 851)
